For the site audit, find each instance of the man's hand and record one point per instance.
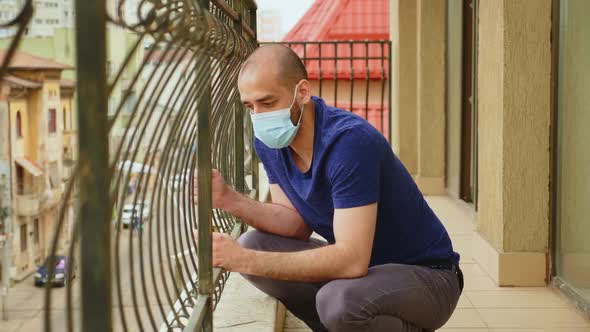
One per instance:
(221, 192)
(227, 253)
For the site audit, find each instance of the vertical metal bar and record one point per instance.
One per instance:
(239, 149)
(305, 53)
(254, 156)
(205, 212)
(239, 124)
(320, 67)
(367, 73)
(389, 94)
(335, 73)
(351, 74)
(95, 248)
(382, 108)
(205, 204)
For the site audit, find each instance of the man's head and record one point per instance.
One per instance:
(268, 79)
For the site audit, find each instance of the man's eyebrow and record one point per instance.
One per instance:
(265, 98)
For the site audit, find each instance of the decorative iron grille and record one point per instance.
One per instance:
(151, 127)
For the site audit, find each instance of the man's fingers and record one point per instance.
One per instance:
(196, 237)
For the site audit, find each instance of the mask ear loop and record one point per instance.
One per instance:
(302, 107)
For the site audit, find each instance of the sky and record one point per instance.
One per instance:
(290, 10)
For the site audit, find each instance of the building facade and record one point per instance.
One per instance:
(48, 15)
(491, 107)
(40, 153)
(269, 25)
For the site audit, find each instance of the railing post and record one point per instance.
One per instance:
(205, 214)
(95, 247)
(239, 120)
(239, 147)
(254, 162)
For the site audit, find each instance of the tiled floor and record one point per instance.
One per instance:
(484, 307)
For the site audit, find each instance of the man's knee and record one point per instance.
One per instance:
(253, 240)
(335, 303)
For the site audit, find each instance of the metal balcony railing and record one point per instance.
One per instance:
(176, 84)
(351, 74)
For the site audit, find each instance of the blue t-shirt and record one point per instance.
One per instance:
(353, 165)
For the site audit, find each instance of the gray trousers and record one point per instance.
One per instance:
(392, 297)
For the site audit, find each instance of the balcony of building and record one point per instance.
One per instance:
(487, 174)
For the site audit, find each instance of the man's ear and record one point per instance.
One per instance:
(304, 91)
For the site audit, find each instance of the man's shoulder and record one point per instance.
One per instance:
(343, 127)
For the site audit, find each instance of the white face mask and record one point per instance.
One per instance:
(275, 128)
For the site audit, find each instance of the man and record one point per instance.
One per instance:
(388, 263)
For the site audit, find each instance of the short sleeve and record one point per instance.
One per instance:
(353, 169)
(262, 153)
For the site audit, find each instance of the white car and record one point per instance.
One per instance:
(140, 210)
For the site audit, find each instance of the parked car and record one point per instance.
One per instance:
(60, 273)
(131, 211)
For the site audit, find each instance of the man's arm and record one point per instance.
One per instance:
(278, 217)
(349, 257)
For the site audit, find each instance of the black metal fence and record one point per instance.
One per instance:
(351, 74)
(133, 241)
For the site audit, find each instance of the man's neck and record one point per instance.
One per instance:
(302, 145)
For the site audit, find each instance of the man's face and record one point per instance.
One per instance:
(261, 91)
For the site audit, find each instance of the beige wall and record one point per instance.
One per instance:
(431, 94)
(514, 134)
(527, 97)
(53, 141)
(490, 125)
(407, 81)
(419, 114)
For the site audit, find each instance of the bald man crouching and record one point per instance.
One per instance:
(387, 263)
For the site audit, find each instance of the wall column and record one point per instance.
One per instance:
(403, 27)
(431, 96)
(514, 89)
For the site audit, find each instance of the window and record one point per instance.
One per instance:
(23, 237)
(19, 125)
(52, 123)
(36, 231)
(20, 180)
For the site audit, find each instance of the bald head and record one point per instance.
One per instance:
(278, 62)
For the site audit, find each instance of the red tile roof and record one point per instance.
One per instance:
(344, 20)
(22, 60)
